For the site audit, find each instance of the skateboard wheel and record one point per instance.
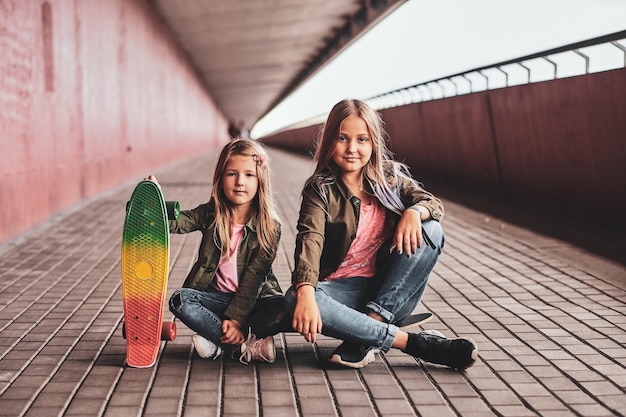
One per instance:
(168, 330)
(124, 330)
(127, 206)
(173, 209)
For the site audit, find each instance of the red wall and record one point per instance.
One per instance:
(566, 141)
(558, 143)
(92, 94)
(453, 133)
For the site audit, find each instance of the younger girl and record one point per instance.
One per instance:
(231, 287)
(368, 237)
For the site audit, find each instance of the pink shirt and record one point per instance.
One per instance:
(226, 275)
(360, 261)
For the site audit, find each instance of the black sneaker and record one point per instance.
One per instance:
(353, 355)
(432, 346)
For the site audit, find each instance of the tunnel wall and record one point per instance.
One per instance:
(558, 144)
(92, 94)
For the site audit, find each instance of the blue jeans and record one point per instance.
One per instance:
(394, 293)
(203, 312)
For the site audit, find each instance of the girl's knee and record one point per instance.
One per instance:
(177, 300)
(434, 232)
(290, 299)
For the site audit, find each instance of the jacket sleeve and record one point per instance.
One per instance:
(310, 239)
(413, 194)
(190, 220)
(251, 282)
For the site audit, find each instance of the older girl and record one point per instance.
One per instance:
(368, 237)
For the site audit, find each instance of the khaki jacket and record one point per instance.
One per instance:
(254, 272)
(327, 225)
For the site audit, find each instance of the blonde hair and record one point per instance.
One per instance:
(381, 172)
(263, 207)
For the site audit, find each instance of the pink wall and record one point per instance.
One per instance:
(92, 94)
(557, 143)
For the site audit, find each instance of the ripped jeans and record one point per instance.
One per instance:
(393, 293)
(203, 312)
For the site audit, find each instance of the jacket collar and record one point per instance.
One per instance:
(343, 188)
(251, 225)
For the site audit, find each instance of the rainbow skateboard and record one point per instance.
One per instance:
(145, 266)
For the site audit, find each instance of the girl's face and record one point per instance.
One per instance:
(239, 180)
(353, 148)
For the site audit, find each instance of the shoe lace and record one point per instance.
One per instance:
(251, 350)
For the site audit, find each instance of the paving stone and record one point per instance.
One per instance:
(549, 318)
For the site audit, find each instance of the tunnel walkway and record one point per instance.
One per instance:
(549, 319)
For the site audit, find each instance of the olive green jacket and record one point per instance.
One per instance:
(328, 221)
(254, 270)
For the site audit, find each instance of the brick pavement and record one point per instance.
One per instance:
(549, 319)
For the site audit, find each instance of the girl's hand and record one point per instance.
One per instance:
(232, 333)
(151, 178)
(408, 235)
(307, 319)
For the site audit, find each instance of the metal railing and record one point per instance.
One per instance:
(594, 55)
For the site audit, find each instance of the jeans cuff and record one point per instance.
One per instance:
(392, 331)
(386, 314)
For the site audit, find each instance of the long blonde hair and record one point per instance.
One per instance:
(381, 173)
(263, 207)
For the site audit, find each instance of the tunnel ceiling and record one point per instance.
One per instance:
(252, 53)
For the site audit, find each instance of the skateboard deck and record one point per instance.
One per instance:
(145, 267)
(414, 320)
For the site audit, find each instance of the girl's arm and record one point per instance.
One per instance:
(310, 241)
(421, 206)
(307, 319)
(191, 220)
(232, 333)
(188, 220)
(408, 234)
(415, 197)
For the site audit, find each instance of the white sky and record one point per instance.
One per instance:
(428, 39)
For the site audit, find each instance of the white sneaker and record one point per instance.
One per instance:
(205, 348)
(258, 349)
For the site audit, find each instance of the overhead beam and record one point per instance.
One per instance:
(368, 15)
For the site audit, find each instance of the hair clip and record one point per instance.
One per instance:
(259, 159)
